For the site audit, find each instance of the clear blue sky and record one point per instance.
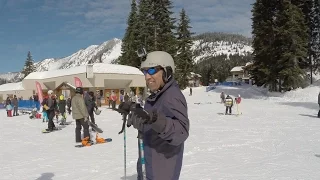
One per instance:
(58, 28)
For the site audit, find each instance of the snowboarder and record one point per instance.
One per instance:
(80, 114)
(165, 126)
(50, 106)
(91, 105)
(62, 109)
(190, 92)
(228, 102)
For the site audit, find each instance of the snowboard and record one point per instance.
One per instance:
(45, 131)
(223, 114)
(94, 143)
(65, 123)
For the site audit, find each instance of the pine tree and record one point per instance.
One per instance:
(130, 40)
(28, 66)
(263, 26)
(292, 44)
(145, 25)
(183, 61)
(164, 35)
(315, 35)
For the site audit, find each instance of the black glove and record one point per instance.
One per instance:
(140, 116)
(124, 108)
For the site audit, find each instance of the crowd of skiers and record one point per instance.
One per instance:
(53, 106)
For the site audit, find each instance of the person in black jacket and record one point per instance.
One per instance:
(62, 109)
(228, 102)
(15, 104)
(69, 105)
(50, 105)
(90, 102)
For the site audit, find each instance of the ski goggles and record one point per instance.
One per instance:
(151, 71)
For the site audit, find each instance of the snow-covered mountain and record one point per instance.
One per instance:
(10, 76)
(217, 43)
(211, 44)
(104, 53)
(206, 49)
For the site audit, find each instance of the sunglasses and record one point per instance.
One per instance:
(151, 71)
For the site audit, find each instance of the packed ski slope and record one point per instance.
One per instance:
(274, 138)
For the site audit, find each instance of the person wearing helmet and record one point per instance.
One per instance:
(50, 105)
(62, 109)
(80, 114)
(90, 101)
(228, 102)
(163, 124)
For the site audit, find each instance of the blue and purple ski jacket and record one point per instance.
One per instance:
(164, 150)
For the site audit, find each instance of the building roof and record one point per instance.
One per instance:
(66, 84)
(11, 87)
(102, 68)
(237, 69)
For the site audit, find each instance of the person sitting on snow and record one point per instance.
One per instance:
(228, 102)
(33, 113)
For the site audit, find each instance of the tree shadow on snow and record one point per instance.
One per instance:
(308, 115)
(308, 105)
(132, 177)
(46, 176)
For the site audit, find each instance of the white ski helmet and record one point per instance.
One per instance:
(97, 111)
(158, 58)
(50, 92)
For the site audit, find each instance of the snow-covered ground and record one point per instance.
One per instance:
(273, 139)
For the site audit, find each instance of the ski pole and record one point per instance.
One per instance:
(143, 163)
(125, 148)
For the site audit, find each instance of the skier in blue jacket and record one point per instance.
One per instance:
(163, 123)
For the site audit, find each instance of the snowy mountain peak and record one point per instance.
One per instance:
(206, 45)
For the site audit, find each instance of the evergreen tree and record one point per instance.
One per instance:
(146, 25)
(291, 45)
(130, 40)
(263, 26)
(184, 60)
(28, 66)
(164, 36)
(315, 35)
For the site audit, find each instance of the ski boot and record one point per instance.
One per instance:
(86, 141)
(99, 139)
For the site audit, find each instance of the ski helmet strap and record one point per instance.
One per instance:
(167, 74)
